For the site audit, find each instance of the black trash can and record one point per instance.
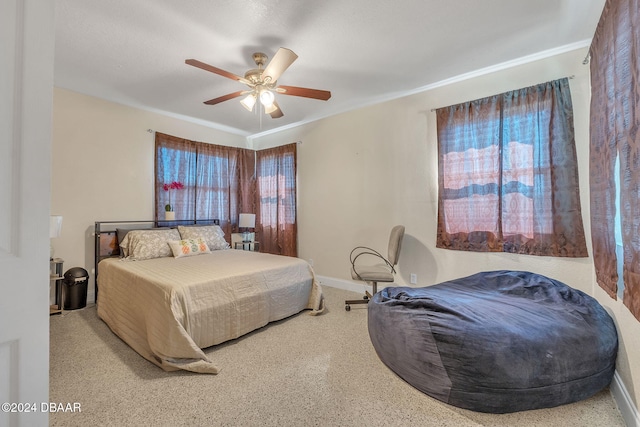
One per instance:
(75, 284)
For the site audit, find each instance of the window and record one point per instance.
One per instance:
(617, 227)
(276, 171)
(218, 180)
(508, 179)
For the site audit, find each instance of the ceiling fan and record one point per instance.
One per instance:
(262, 82)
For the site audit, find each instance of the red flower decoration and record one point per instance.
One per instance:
(175, 185)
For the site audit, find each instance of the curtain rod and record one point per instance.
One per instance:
(571, 77)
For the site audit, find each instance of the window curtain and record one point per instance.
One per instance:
(175, 160)
(614, 129)
(218, 180)
(276, 210)
(508, 175)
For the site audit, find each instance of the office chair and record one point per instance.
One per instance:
(372, 274)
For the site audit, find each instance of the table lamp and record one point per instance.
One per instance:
(55, 229)
(246, 221)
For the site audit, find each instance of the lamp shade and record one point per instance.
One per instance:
(267, 98)
(247, 220)
(55, 226)
(249, 101)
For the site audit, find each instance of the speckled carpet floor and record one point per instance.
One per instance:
(302, 371)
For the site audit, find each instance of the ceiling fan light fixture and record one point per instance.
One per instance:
(267, 98)
(268, 109)
(249, 101)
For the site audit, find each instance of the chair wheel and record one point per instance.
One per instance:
(366, 297)
(347, 307)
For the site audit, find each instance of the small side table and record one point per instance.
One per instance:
(56, 277)
(248, 246)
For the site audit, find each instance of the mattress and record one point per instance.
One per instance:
(169, 309)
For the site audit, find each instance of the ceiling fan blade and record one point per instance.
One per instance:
(223, 98)
(322, 95)
(279, 63)
(216, 70)
(277, 113)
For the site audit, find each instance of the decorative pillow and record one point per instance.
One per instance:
(188, 247)
(148, 244)
(212, 235)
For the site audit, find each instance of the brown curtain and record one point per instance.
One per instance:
(222, 180)
(219, 180)
(246, 181)
(614, 126)
(276, 191)
(175, 160)
(508, 174)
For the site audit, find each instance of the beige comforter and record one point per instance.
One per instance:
(168, 309)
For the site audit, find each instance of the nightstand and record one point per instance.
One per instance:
(248, 246)
(56, 277)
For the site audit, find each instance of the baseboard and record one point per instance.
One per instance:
(625, 404)
(346, 285)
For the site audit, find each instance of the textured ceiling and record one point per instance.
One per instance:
(363, 51)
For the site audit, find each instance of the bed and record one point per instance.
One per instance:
(168, 306)
(497, 341)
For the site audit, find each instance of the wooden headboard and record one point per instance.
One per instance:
(106, 238)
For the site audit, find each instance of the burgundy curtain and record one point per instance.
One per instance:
(276, 191)
(508, 174)
(175, 161)
(614, 126)
(219, 181)
(222, 183)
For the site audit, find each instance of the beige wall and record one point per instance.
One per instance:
(103, 167)
(362, 172)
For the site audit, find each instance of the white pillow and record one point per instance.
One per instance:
(212, 235)
(188, 247)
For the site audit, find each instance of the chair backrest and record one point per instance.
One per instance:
(395, 243)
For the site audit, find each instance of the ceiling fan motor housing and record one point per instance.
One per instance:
(253, 75)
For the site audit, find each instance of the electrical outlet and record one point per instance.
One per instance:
(414, 279)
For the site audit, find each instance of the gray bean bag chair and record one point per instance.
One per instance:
(500, 341)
